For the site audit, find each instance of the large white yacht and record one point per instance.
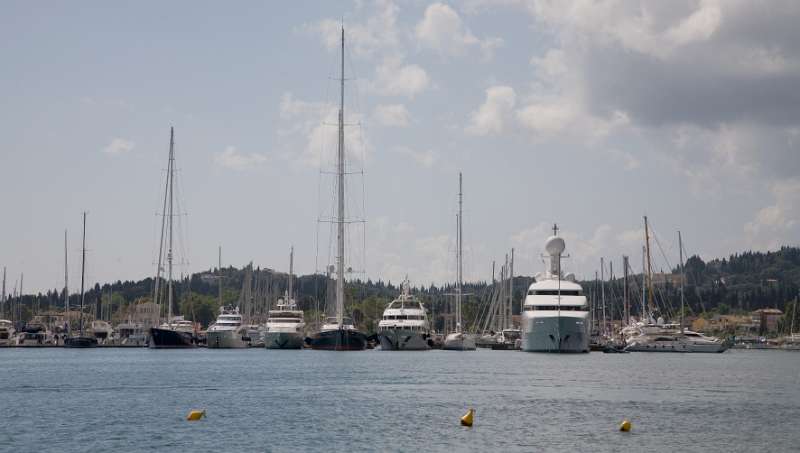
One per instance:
(555, 312)
(676, 341)
(7, 332)
(404, 326)
(227, 331)
(285, 326)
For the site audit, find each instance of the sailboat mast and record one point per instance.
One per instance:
(3, 299)
(66, 283)
(171, 173)
(340, 207)
(291, 270)
(459, 252)
(83, 270)
(603, 293)
(625, 290)
(680, 253)
(644, 286)
(219, 272)
(649, 265)
(511, 292)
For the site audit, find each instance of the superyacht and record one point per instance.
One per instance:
(285, 324)
(405, 326)
(555, 312)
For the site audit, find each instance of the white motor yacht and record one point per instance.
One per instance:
(405, 326)
(555, 311)
(7, 332)
(676, 341)
(285, 326)
(228, 331)
(102, 331)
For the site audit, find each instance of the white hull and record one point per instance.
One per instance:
(459, 342)
(553, 333)
(225, 339)
(676, 345)
(283, 340)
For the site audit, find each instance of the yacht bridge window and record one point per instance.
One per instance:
(554, 292)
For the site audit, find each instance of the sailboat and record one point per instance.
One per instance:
(175, 332)
(285, 324)
(458, 340)
(81, 340)
(338, 332)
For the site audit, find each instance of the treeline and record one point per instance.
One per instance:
(740, 283)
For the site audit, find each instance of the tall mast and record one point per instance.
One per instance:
(644, 286)
(171, 173)
(160, 262)
(649, 265)
(3, 299)
(511, 293)
(626, 316)
(459, 252)
(291, 270)
(340, 208)
(19, 300)
(83, 270)
(66, 283)
(680, 252)
(219, 272)
(603, 293)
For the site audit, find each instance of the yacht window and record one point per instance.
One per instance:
(554, 292)
(556, 307)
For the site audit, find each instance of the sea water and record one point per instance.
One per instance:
(113, 400)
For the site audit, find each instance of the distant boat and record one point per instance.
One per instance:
(339, 333)
(81, 340)
(555, 312)
(286, 324)
(175, 332)
(7, 332)
(227, 331)
(405, 326)
(458, 340)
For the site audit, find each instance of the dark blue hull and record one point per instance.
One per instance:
(80, 342)
(167, 338)
(338, 340)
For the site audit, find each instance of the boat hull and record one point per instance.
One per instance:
(559, 334)
(80, 342)
(404, 340)
(225, 339)
(283, 340)
(677, 346)
(170, 339)
(459, 342)
(338, 340)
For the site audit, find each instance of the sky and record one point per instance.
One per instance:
(589, 114)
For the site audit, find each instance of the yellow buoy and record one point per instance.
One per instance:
(625, 426)
(195, 415)
(467, 419)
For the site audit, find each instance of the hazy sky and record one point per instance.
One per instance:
(589, 114)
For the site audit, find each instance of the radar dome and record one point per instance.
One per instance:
(555, 246)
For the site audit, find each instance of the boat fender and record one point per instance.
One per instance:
(468, 418)
(625, 426)
(195, 415)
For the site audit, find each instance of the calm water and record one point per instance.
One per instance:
(258, 400)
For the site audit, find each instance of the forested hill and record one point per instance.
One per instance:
(742, 282)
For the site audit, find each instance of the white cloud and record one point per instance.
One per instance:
(395, 78)
(236, 160)
(394, 115)
(442, 30)
(777, 224)
(119, 146)
(628, 160)
(426, 158)
(492, 116)
(377, 33)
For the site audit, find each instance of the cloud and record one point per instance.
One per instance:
(233, 159)
(393, 115)
(492, 116)
(425, 158)
(119, 146)
(395, 78)
(378, 33)
(442, 30)
(773, 223)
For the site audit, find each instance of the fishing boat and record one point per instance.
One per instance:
(285, 324)
(175, 332)
(458, 340)
(339, 333)
(555, 312)
(82, 339)
(404, 325)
